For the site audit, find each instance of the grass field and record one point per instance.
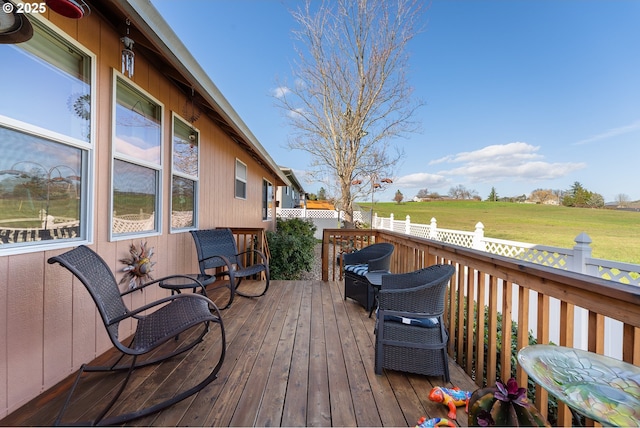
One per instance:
(615, 234)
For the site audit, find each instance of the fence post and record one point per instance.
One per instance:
(581, 252)
(391, 222)
(478, 237)
(433, 232)
(407, 225)
(374, 221)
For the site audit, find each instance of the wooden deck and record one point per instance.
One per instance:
(299, 356)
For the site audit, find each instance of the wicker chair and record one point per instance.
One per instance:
(217, 250)
(157, 323)
(410, 331)
(375, 257)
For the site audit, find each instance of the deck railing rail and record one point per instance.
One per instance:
(551, 305)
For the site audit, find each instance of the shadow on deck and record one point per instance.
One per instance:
(299, 356)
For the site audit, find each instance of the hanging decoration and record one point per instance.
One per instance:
(139, 265)
(128, 56)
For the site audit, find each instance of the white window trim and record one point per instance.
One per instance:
(196, 178)
(269, 218)
(245, 180)
(119, 156)
(87, 208)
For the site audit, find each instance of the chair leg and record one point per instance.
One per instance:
(120, 419)
(243, 294)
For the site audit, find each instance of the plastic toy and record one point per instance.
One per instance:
(434, 422)
(450, 397)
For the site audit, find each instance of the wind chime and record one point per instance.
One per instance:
(128, 57)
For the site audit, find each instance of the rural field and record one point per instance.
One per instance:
(615, 234)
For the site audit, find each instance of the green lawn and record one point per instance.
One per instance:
(615, 234)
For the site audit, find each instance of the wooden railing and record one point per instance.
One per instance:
(251, 238)
(514, 293)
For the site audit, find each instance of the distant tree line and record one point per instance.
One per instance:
(576, 196)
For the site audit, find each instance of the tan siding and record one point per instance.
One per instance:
(25, 325)
(48, 322)
(4, 316)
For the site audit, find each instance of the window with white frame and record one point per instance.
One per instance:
(267, 199)
(241, 180)
(184, 178)
(45, 142)
(137, 163)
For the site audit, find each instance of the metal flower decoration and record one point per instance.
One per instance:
(139, 265)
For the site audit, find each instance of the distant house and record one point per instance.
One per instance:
(320, 205)
(291, 196)
(108, 144)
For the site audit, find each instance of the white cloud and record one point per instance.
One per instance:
(421, 180)
(280, 91)
(614, 132)
(514, 161)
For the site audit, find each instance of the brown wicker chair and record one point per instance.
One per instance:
(217, 249)
(375, 257)
(157, 323)
(410, 331)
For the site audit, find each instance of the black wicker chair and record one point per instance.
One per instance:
(217, 251)
(375, 257)
(410, 331)
(157, 323)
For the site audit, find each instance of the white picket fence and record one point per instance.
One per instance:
(576, 259)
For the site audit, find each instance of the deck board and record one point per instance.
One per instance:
(301, 355)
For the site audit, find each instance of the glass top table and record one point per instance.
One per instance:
(192, 280)
(602, 388)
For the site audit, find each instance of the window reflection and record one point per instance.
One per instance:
(40, 188)
(137, 125)
(134, 198)
(182, 203)
(47, 65)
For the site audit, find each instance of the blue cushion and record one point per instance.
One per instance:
(361, 269)
(420, 322)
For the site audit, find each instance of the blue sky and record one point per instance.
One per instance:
(519, 95)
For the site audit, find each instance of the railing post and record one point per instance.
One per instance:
(581, 252)
(478, 237)
(433, 232)
(391, 222)
(374, 223)
(407, 225)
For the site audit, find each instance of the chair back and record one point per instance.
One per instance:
(214, 242)
(377, 256)
(86, 265)
(422, 291)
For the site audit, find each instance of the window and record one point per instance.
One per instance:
(45, 142)
(267, 199)
(184, 179)
(137, 144)
(241, 180)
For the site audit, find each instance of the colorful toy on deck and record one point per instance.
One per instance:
(450, 397)
(434, 422)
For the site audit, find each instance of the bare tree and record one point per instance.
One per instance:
(352, 94)
(622, 200)
(461, 192)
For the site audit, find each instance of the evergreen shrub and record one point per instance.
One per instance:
(291, 247)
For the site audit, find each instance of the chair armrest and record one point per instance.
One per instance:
(264, 259)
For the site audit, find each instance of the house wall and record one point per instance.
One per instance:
(48, 323)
